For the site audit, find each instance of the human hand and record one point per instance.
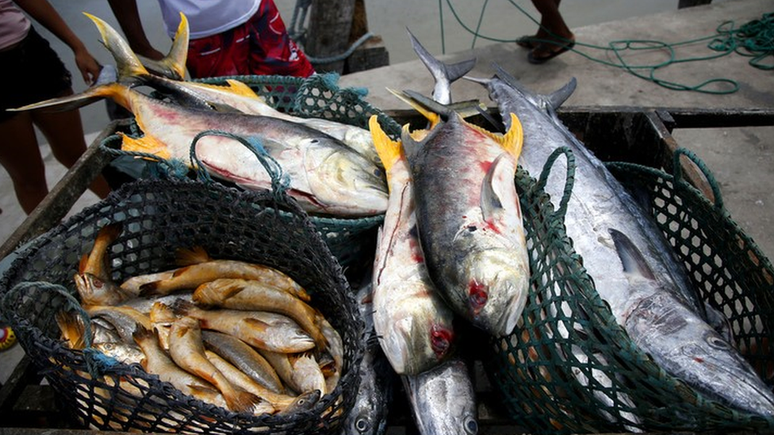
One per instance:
(88, 66)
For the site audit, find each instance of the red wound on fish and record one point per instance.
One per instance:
(477, 295)
(485, 166)
(440, 340)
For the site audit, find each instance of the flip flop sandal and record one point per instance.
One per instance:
(537, 60)
(7, 338)
(526, 41)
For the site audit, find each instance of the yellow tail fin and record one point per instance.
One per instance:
(145, 144)
(127, 63)
(389, 151)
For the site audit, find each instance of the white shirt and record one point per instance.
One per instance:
(206, 17)
(14, 25)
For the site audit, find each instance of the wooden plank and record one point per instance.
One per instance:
(330, 22)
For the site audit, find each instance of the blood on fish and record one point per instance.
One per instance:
(440, 340)
(485, 166)
(477, 296)
(698, 360)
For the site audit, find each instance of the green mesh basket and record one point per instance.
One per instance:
(351, 240)
(572, 368)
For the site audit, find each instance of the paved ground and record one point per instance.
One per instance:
(740, 158)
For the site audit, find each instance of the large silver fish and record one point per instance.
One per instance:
(469, 220)
(600, 207)
(413, 323)
(443, 400)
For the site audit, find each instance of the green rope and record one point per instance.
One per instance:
(754, 39)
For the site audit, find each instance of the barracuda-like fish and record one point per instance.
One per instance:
(368, 415)
(234, 95)
(325, 176)
(598, 209)
(442, 400)
(412, 322)
(469, 219)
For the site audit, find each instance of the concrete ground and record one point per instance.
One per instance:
(740, 158)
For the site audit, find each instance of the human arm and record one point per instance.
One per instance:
(48, 17)
(128, 18)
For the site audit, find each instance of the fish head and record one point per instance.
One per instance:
(496, 290)
(419, 341)
(97, 291)
(709, 363)
(341, 179)
(443, 400)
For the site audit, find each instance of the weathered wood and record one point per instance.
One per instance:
(330, 22)
(372, 54)
(61, 198)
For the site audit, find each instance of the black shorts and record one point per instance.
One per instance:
(31, 72)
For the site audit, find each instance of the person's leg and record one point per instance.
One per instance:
(554, 29)
(20, 156)
(552, 25)
(272, 51)
(64, 133)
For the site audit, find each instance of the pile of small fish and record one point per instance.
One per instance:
(332, 167)
(237, 335)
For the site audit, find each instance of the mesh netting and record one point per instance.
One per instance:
(158, 217)
(572, 368)
(350, 239)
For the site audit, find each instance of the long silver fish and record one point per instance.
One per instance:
(599, 207)
(413, 323)
(325, 176)
(368, 415)
(443, 400)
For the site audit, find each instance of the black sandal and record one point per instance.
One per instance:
(537, 60)
(527, 42)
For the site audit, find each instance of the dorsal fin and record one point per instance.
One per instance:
(633, 261)
(558, 97)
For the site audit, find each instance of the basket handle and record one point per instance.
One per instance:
(569, 179)
(677, 173)
(279, 180)
(92, 357)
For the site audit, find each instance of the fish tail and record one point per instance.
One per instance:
(162, 313)
(127, 63)
(72, 328)
(142, 334)
(182, 307)
(389, 151)
(240, 400)
(190, 256)
(178, 53)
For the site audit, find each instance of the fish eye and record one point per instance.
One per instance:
(716, 342)
(471, 426)
(378, 172)
(362, 425)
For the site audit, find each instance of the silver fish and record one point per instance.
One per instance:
(325, 176)
(442, 400)
(368, 415)
(469, 220)
(600, 207)
(413, 323)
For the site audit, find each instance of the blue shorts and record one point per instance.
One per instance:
(31, 72)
